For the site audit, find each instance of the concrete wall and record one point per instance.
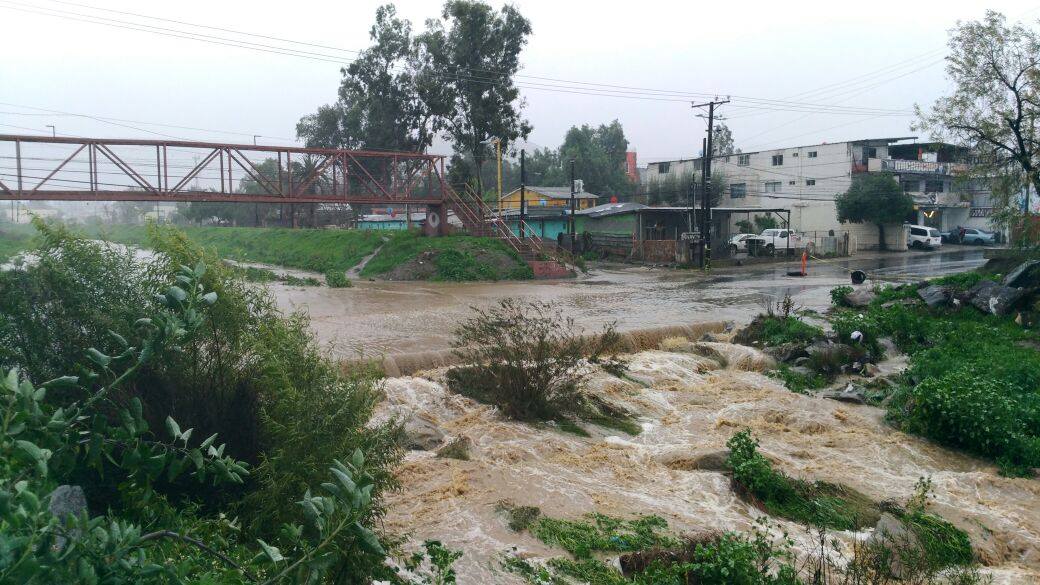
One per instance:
(625, 224)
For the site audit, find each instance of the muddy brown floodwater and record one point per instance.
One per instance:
(375, 318)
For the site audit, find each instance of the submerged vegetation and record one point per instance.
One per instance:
(812, 503)
(526, 359)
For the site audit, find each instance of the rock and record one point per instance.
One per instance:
(802, 361)
(709, 338)
(861, 297)
(67, 501)
(801, 371)
(935, 296)
(421, 434)
(870, 370)
(712, 461)
(893, 534)
(684, 461)
(990, 297)
(851, 394)
(458, 448)
(787, 352)
(1026, 275)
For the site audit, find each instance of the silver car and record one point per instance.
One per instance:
(978, 237)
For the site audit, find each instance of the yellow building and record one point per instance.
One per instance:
(535, 197)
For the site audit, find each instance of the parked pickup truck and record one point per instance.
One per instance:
(776, 240)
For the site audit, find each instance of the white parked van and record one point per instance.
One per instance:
(922, 236)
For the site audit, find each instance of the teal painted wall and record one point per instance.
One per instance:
(392, 224)
(547, 229)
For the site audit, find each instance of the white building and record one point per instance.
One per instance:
(806, 179)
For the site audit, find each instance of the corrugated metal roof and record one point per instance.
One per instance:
(611, 209)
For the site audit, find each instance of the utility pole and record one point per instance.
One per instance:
(572, 226)
(706, 180)
(523, 190)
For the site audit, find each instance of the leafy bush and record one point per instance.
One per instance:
(525, 358)
(976, 411)
(337, 279)
(776, 330)
(48, 537)
(250, 374)
(838, 295)
(817, 503)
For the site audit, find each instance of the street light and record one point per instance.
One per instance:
(498, 152)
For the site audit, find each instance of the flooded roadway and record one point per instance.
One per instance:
(375, 318)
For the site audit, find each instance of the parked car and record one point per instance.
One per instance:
(978, 237)
(781, 239)
(738, 243)
(922, 236)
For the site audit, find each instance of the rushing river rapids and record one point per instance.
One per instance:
(688, 405)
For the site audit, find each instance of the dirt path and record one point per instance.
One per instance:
(355, 272)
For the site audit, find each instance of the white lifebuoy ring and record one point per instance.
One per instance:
(433, 219)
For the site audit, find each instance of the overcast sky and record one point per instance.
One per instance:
(882, 54)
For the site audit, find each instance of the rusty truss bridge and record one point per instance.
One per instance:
(35, 168)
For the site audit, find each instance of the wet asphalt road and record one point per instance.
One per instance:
(373, 318)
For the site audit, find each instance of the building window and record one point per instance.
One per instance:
(743, 160)
(810, 182)
(869, 152)
(662, 168)
(812, 154)
(772, 187)
(933, 186)
(794, 155)
(791, 182)
(911, 186)
(738, 191)
(778, 160)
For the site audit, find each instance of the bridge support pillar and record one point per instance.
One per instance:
(436, 220)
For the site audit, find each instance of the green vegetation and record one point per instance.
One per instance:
(211, 358)
(816, 503)
(974, 378)
(601, 533)
(14, 238)
(526, 359)
(773, 330)
(254, 274)
(313, 250)
(798, 382)
(651, 556)
(838, 295)
(337, 279)
(453, 258)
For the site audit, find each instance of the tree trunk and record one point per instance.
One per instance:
(480, 177)
(881, 237)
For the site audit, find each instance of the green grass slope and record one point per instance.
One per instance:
(315, 250)
(453, 258)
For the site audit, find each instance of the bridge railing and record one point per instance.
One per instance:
(65, 168)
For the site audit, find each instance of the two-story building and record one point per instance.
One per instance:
(806, 179)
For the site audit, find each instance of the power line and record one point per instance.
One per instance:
(617, 91)
(359, 52)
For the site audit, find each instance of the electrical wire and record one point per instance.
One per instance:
(766, 104)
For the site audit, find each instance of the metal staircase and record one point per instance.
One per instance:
(480, 220)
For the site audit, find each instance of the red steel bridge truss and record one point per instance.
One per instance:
(35, 168)
(93, 169)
